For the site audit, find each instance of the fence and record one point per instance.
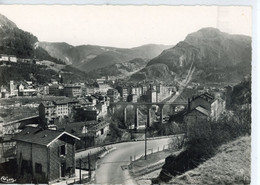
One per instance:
(98, 148)
(177, 143)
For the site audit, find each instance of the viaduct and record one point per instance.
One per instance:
(148, 106)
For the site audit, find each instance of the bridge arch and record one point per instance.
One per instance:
(136, 106)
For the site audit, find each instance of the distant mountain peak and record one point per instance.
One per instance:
(206, 33)
(6, 23)
(211, 51)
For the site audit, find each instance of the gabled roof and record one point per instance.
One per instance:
(39, 136)
(47, 104)
(202, 110)
(98, 126)
(206, 96)
(199, 109)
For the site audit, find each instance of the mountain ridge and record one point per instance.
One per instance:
(90, 57)
(211, 51)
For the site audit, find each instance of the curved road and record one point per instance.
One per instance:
(111, 168)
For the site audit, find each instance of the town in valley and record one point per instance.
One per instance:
(144, 115)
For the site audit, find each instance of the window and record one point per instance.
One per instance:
(102, 131)
(63, 150)
(38, 168)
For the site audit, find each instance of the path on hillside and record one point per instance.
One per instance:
(183, 84)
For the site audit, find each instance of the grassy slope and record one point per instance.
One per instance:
(142, 170)
(231, 165)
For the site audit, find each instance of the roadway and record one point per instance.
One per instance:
(111, 168)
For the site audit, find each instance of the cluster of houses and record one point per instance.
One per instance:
(23, 88)
(47, 154)
(46, 150)
(142, 92)
(14, 59)
(115, 92)
(28, 88)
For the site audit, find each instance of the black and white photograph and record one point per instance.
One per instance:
(112, 94)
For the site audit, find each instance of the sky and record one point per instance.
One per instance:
(125, 26)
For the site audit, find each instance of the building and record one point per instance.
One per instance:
(4, 57)
(12, 58)
(55, 89)
(91, 133)
(202, 109)
(197, 121)
(72, 90)
(86, 113)
(99, 130)
(103, 88)
(4, 93)
(91, 89)
(22, 91)
(13, 89)
(124, 92)
(45, 155)
(62, 108)
(163, 92)
(137, 90)
(151, 95)
(214, 105)
(113, 94)
(132, 98)
(101, 80)
(45, 90)
(27, 92)
(102, 109)
(48, 111)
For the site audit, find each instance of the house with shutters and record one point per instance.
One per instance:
(45, 155)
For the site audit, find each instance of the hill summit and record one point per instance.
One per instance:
(5, 23)
(215, 55)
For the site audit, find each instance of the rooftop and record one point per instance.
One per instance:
(202, 110)
(98, 126)
(47, 104)
(72, 86)
(39, 136)
(60, 102)
(206, 96)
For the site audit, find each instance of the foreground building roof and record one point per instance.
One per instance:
(40, 136)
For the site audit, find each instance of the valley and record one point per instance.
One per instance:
(73, 114)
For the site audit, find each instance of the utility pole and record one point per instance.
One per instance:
(80, 160)
(145, 141)
(89, 166)
(85, 136)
